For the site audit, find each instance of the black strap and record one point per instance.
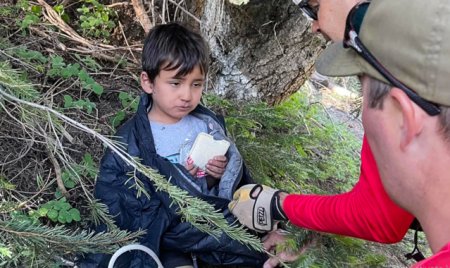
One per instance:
(415, 253)
(278, 213)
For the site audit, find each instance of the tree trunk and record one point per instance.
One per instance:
(260, 51)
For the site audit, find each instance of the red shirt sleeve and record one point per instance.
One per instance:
(365, 212)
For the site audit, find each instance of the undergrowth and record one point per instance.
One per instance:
(296, 147)
(293, 146)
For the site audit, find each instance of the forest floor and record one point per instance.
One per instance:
(343, 104)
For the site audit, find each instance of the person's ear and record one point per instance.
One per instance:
(411, 123)
(146, 83)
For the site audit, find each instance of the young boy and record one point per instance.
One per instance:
(174, 75)
(169, 118)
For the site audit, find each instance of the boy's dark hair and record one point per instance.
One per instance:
(171, 47)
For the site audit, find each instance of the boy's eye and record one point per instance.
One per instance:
(174, 83)
(198, 84)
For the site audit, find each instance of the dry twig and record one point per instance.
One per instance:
(98, 50)
(59, 180)
(141, 15)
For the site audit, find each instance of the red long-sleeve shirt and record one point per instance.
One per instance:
(365, 212)
(438, 260)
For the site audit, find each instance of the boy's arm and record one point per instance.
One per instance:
(130, 212)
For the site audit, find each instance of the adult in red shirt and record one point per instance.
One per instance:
(366, 211)
(406, 116)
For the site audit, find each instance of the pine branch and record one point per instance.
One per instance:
(62, 240)
(99, 214)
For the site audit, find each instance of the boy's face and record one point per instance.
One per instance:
(173, 97)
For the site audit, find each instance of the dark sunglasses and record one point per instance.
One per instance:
(351, 39)
(309, 11)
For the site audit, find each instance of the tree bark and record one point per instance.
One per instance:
(261, 51)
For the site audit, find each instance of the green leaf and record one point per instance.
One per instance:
(118, 118)
(65, 18)
(62, 216)
(57, 206)
(58, 65)
(5, 184)
(75, 214)
(90, 106)
(97, 89)
(68, 218)
(71, 70)
(68, 101)
(52, 214)
(58, 194)
(59, 9)
(83, 10)
(42, 211)
(135, 104)
(28, 20)
(47, 206)
(69, 184)
(23, 4)
(37, 10)
(57, 62)
(30, 55)
(83, 75)
(65, 206)
(124, 96)
(87, 159)
(89, 62)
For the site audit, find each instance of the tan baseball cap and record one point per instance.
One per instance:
(410, 38)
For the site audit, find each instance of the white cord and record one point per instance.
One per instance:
(126, 248)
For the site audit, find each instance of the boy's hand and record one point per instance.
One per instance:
(270, 242)
(216, 166)
(191, 168)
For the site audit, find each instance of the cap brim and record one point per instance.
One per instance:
(336, 60)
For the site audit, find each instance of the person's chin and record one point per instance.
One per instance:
(184, 110)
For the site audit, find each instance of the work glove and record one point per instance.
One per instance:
(257, 207)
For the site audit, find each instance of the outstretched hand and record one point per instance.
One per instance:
(270, 242)
(257, 207)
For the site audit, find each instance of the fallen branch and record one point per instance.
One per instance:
(141, 15)
(98, 50)
(59, 180)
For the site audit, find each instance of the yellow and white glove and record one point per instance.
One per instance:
(257, 207)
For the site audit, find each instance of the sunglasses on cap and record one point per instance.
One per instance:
(351, 39)
(310, 11)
